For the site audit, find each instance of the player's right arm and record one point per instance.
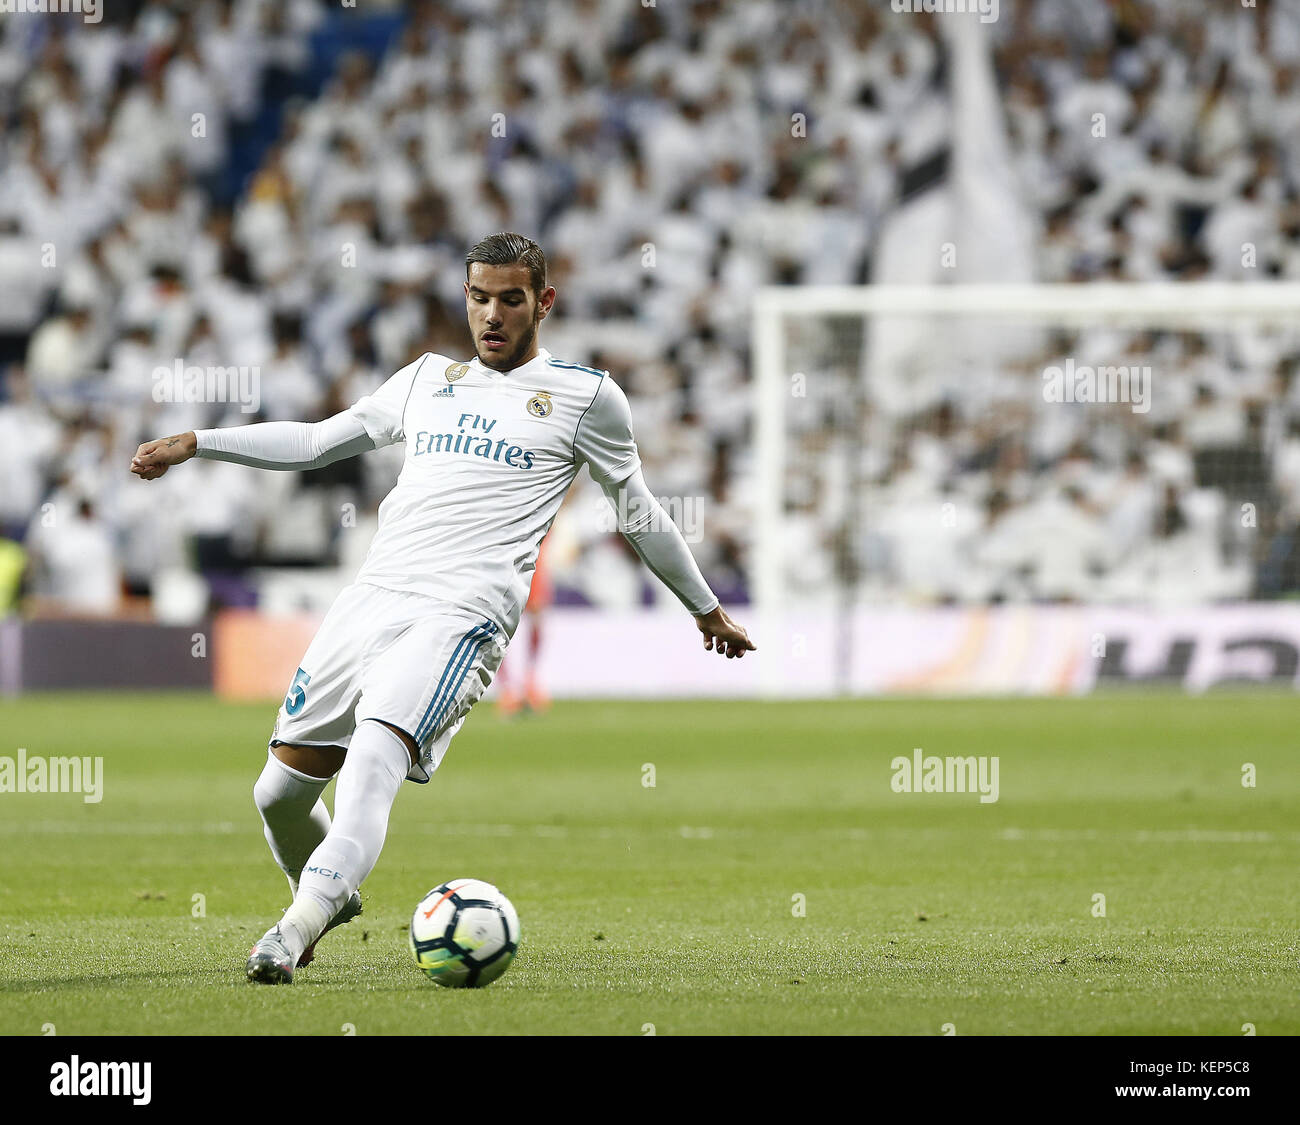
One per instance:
(265, 445)
(371, 422)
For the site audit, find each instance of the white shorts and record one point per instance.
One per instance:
(403, 658)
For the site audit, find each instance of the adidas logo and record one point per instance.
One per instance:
(446, 392)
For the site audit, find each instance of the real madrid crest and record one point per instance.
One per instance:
(540, 405)
(455, 371)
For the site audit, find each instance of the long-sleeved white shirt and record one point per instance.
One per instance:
(489, 458)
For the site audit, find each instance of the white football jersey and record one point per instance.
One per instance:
(489, 458)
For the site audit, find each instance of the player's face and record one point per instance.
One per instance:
(504, 314)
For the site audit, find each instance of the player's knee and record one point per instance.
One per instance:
(271, 799)
(285, 792)
(276, 811)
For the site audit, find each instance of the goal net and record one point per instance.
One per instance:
(1029, 447)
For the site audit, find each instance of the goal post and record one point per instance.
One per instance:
(840, 371)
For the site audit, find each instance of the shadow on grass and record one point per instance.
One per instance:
(340, 979)
(156, 977)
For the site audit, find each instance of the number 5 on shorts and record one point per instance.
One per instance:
(297, 693)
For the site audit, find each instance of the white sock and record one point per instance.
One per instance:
(372, 773)
(295, 818)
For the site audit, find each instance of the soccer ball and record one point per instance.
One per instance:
(464, 933)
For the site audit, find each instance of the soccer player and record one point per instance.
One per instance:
(540, 596)
(492, 446)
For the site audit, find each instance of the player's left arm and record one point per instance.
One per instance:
(604, 440)
(657, 540)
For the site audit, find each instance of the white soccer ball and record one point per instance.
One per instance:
(464, 933)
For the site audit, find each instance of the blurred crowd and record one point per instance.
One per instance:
(1184, 491)
(670, 159)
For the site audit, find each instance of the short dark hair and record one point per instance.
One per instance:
(508, 249)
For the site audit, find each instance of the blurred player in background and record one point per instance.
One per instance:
(492, 446)
(533, 696)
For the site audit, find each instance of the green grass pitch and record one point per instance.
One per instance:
(676, 908)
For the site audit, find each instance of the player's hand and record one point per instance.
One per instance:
(722, 635)
(154, 458)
